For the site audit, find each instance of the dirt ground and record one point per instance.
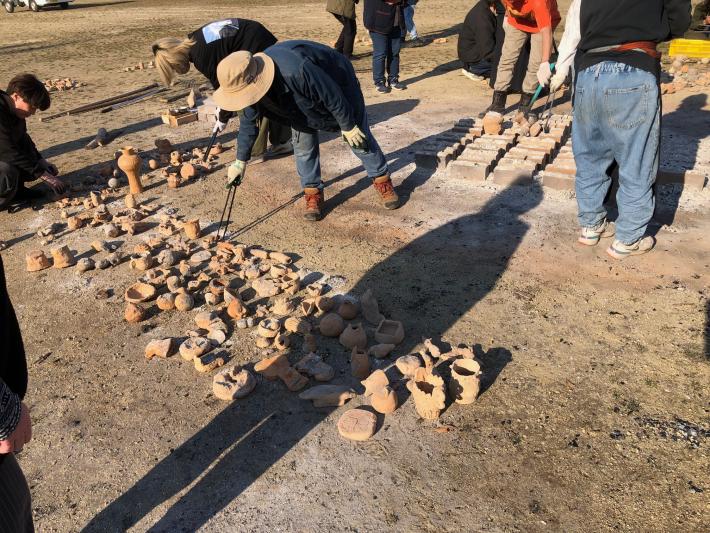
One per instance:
(595, 414)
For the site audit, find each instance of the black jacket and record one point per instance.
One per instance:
(315, 88)
(477, 40)
(382, 17)
(16, 146)
(615, 22)
(13, 367)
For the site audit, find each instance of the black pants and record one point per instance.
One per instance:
(345, 42)
(11, 179)
(15, 501)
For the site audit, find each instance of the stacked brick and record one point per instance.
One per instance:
(560, 173)
(438, 152)
(479, 158)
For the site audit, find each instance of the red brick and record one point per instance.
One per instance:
(562, 182)
(560, 169)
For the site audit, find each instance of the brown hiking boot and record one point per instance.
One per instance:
(314, 203)
(389, 198)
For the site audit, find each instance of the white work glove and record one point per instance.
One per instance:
(235, 173)
(218, 126)
(544, 72)
(355, 138)
(557, 80)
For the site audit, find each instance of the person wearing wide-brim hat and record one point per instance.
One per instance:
(309, 87)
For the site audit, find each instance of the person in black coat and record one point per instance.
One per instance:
(15, 425)
(385, 21)
(477, 40)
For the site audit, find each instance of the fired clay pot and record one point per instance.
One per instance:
(283, 307)
(74, 223)
(130, 163)
(192, 228)
(63, 257)
(36, 261)
(389, 332)
(359, 364)
(384, 400)
(375, 382)
(297, 325)
(130, 201)
(428, 393)
(282, 341)
(408, 364)
(139, 292)
(353, 336)
(166, 302)
(184, 302)
(268, 328)
(348, 309)
(236, 308)
(308, 307)
(380, 351)
(493, 123)
(134, 313)
(331, 325)
(465, 381)
(188, 171)
(324, 303)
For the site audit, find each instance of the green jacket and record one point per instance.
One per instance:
(346, 8)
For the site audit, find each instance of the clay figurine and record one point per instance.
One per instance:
(130, 163)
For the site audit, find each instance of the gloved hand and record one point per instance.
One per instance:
(355, 138)
(235, 173)
(557, 80)
(544, 72)
(219, 125)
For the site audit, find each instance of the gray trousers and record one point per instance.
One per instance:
(512, 47)
(15, 501)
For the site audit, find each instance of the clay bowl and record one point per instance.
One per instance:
(140, 292)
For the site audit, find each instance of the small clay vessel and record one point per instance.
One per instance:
(282, 341)
(268, 328)
(297, 325)
(331, 325)
(359, 364)
(174, 180)
(36, 261)
(143, 263)
(389, 332)
(353, 336)
(194, 347)
(370, 308)
(236, 308)
(428, 393)
(188, 171)
(493, 123)
(74, 223)
(384, 400)
(192, 228)
(375, 382)
(130, 163)
(348, 309)
(134, 313)
(357, 424)
(283, 307)
(63, 257)
(139, 292)
(166, 302)
(184, 302)
(465, 381)
(308, 307)
(324, 303)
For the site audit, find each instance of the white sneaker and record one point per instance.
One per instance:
(619, 250)
(590, 236)
(471, 75)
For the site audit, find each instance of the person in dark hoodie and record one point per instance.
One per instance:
(477, 40)
(15, 424)
(20, 161)
(384, 19)
(617, 111)
(205, 48)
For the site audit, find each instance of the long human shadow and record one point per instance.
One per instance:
(429, 284)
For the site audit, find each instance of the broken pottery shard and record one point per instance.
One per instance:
(328, 395)
(331, 325)
(359, 364)
(353, 336)
(192, 230)
(200, 257)
(428, 393)
(493, 123)
(408, 364)
(268, 328)
(271, 367)
(384, 400)
(159, 348)
(375, 382)
(313, 365)
(205, 318)
(465, 381)
(236, 308)
(209, 361)
(357, 424)
(370, 308)
(280, 257)
(217, 336)
(293, 379)
(282, 341)
(233, 383)
(380, 351)
(309, 343)
(36, 261)
(194, 347)
(283, 307)
(85, 264)
(265, 287)
(324, 303)
(389, 332)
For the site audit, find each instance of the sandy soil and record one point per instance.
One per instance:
(595, 414)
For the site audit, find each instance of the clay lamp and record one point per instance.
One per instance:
(139, 292)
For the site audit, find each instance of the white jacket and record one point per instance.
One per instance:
(568, 46)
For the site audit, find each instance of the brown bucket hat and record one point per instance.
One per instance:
(243, 80)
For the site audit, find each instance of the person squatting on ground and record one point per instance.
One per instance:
(20, 161)
(385, 21)
(477, 40)
(205, 48)
(344, 11)
(15, 424)
(534, 19)
(310, 87)
(617, 110)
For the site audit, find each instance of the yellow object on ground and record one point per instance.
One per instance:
(689, 48)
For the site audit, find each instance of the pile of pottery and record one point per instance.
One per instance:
(686, 72)
(179, 167)
(139, 66)
(61, 84)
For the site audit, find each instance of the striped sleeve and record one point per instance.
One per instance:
(10, 407)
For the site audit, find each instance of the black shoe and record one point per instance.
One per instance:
(398, 85)
(24, 194)
(382, 88)
(525, 104)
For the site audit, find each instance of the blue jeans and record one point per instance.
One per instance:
(307, 154)
(617, 117)
(409, 22)
(385, 53)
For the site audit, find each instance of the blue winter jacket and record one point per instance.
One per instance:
(314, 88)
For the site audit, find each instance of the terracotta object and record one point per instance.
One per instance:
(283, 307)
(85, 264)
(324, 303)
(312, 365)
(134, 313)
(130, 163)
(200, 257)
(348, 309)
(143, 263)
(353, 336)
(36, 261)
(139, 292)
(493, 123)
(428, 393)
(408, 364)
(265, 287)
(159, 348)
(166, 302)
(359, 364)
(535, 129)
(389, 332)
(271, 367)
(74, 223)
(184, 302)
(130, 201)
(263, 342)
(380, 351)
(233, 383)
(357, 424)
(268, 328)
(174, 180)
(62, 257)
(192, 229)
(297, 325)
(209, 361)
(282, 341)
(370, 308)
(328, 395)
(216, 149)
(188, 171)
(432, 348)
(465, 381)
(153, 164)
(236, 308)
(331, 325)
(164, 146)
(175, 158)
(315, 289)
(384, 400)
(280, 257)
(259, 253)
(111, 230)
(194, 347)
(293, 379)
(375, 382)
(309, 343)
(96, 199)
(217, 336)
(205, 318)
(114, 183)
(308, 307)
